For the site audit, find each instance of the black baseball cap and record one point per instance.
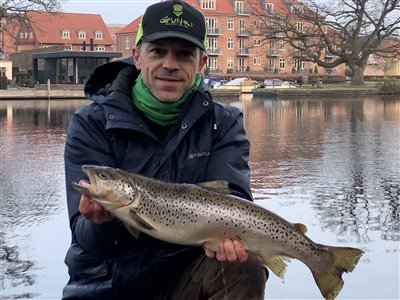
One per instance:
(172, 19)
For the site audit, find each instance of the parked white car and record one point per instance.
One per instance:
(277, 84)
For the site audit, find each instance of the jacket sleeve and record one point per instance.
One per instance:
(87, 143)
(230, 153)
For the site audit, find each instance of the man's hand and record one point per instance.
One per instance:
(229, 250)
(93, 211)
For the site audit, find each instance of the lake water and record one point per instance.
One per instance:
(331, 164)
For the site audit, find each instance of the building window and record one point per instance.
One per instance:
(82, 35)
(269, 7)
(230, 62)
(31, 35)
(242, 64)
(65, 34)
(208, 4)
(299, 64)
(100, 49)
(239, 7)
(230, 24)
(127, 43)
(257, 61)
(281, 63)
(230, 43)
(212, 63)
(68, 48)
(212, 44)
(98, 36)
(282, 44)
(300, 26)
(257, 42)
(271, 63)
(212, 25)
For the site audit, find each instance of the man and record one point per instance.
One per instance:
(151, 115)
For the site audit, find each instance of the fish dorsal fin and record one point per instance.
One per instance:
(277, 264)
(219, 186)
(132, 230)
(300, 227)
(140, 220)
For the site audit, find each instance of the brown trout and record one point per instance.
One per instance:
(204, 214)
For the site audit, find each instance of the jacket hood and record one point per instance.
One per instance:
(103, 80)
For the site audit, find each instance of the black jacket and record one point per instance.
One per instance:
(207, 142)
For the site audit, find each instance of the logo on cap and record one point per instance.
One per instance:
(178, 10)
(178, 21)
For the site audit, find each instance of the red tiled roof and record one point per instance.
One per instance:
(131, 27)
(48, 27)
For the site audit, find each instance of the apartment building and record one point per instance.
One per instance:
(232, 48)
(74, 31)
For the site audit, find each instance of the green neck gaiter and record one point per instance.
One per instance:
(161, 113)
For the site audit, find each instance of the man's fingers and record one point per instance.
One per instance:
(229, 250)
(241, 252)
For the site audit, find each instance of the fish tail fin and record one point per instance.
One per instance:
(341, 259)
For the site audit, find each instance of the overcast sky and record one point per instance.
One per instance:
(112, 11)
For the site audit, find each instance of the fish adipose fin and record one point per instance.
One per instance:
(344, 260)
(140, 221)
(301, 227)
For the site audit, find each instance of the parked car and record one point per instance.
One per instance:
(277, 84)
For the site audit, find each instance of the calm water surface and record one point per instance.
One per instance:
(333, 165)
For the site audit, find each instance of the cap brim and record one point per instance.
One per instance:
(151, 37)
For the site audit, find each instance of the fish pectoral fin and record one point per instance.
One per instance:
(277, 264)
(132, 230)
(140, 221)
(301, 227)
(219, 186)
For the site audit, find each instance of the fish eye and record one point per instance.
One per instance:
(102, 176)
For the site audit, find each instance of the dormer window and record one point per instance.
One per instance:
(82, 35)
(269, 7)
(208, 4)
(65, 34)
(98, 35)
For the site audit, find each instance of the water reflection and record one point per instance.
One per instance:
(332, 164)
(342, 156)
(15, 272)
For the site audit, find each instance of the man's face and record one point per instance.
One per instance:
(169, 66)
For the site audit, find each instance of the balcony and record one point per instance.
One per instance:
(299, 54)
(214, 31)
(276, 35)
(273, 53)
(243, 52)
(242, 12)
(214, 51)
(243, 33)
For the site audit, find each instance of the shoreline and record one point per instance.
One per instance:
(64, 92)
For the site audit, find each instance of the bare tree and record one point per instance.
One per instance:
(13, 13)
(330, 33)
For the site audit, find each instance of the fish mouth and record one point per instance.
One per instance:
(84, 186)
